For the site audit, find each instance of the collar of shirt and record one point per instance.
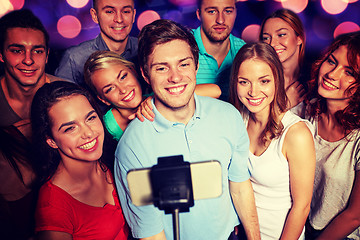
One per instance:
(161, 124)
(130, 48)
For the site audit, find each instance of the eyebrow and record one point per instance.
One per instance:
(22, 46)
(107, 85)
(267, 75)
(73, 122)
(347, 67)
(166, 63)
(214, 7)
(108, 6)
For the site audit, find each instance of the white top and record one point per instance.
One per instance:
(270, 179)
(336, 164)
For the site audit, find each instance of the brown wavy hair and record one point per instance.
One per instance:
(266, 53)
(349, 117)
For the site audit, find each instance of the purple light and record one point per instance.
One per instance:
(346, 27)
(69, 26)
(147, 17)
(182, 3)
(251, 33)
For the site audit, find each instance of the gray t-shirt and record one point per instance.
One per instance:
(336, 164)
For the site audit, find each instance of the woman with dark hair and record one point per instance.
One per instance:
(282, 154)
(284, 31)
(78, 198)
(335, 113)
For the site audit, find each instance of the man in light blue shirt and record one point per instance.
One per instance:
(217, 46)
(199, 128)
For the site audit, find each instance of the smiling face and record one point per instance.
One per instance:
(256, 86)
(172, 75)
(25, 56)
(115, 19)
(117, 85)
(283, 39)
(336, 76)
(217, 19)
(77, 131)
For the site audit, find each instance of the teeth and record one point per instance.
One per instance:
(279, 51)
(129, 96)
(118, 28)
(27, 71)
(176, 89)
(88, 145)
(255, 101)
(329, 85)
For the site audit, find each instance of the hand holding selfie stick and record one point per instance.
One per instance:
(172, 187)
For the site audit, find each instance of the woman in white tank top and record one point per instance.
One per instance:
(282, 153)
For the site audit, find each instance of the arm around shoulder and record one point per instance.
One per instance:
(208, 90)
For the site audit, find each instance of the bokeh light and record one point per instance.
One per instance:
(69, 26)
(5, 6)
(174, 15)
(295, 5)
(182, 3)
(17, 4)
(346, 27)
(251, 33)
(334, 6)
(147, 17)
(77, 3)
(323, 27)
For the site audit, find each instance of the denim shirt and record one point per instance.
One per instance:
(71, 66)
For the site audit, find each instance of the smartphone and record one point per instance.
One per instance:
(206, 182)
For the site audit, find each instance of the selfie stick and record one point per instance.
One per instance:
(172, 188)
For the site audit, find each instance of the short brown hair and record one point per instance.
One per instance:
(160, 32)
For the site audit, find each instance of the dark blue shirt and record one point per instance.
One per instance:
(71, 66)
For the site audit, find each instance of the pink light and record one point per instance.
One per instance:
(147, 17)
(251, 33)
(346, 27)
(18, 4)
(77, 3)
(69, 26)
(334, 6)
(295, 5)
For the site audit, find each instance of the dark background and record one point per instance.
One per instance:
(319, 24)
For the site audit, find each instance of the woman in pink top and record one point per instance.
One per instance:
(78, 199)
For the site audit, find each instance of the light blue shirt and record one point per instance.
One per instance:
(209, 72)
(215, 132)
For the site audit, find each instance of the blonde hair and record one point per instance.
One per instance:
(103, 60)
